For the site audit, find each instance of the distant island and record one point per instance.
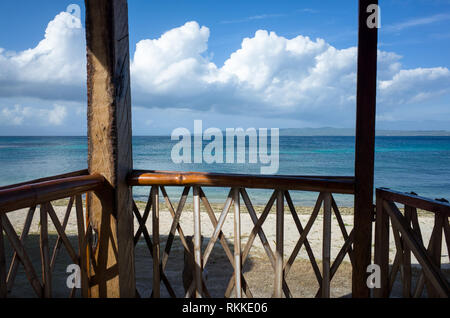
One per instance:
(330, 131)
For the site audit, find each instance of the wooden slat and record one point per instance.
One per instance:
(326, 246)
(435, 250)
(421, 281)
(394, 270)
(45, 257)
(338, 260)
(145, 215)
(399, 256)
(258, 229)
(218, 231)
(174, 227)
(304, 234)
(197, 245)
(156, 245)
(382, 248)
(143, 228)
(3, 289)
(306, 242)
(58, 239)
(279, 251)
(175, 223)
(82, 248)
(432, 273)
(228, 252)
(70, 250)
(447, 236)
(407, 274)
(419, 286)
(149, 243)
(415, 223)
(341, 224)
(237, 244)
(23, 256)
(15, 260)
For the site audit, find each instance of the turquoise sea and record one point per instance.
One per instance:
(419, 164)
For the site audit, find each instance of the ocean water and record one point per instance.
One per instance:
(419, 164)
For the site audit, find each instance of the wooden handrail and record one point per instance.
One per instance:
(60, 176)
(31, 194)
(344, 185)
(415, 201)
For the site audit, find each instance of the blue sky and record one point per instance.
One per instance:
(231, 63)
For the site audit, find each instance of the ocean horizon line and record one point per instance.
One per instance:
(300, 132)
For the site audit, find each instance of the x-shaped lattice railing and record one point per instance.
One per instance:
(238, 257)
(408, 240)
(43, 288)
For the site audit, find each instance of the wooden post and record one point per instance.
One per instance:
(279, 251)
(45, 257)
(326, 246)
(197, 244)
(382, 248)
(156, 245)
(3, 289)
(237, 244)
(365, 144)
(109, 144)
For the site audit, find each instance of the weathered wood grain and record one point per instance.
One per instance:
(109, 144)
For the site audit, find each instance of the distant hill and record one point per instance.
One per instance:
(330, 131)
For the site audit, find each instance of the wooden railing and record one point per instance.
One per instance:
(410, 241)
(40, 193)
(282, 185)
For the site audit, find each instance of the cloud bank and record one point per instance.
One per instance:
(269, 75)
(54, 69)
(18, 115)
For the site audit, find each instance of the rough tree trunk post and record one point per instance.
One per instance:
(109, 139)
(365, 144)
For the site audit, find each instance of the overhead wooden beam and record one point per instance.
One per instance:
(109, 139)
(365, 144)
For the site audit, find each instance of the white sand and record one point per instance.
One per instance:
(291, 234)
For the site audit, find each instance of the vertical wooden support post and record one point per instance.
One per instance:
(197, 244)
(3, 288)
(156, 244)
(237, 244)
(45, 256)
(279, 252)
(326, 246)
(365, 144)
(382, 248)
(109, 144)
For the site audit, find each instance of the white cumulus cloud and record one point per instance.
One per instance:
(269, 75)
(54, 69)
